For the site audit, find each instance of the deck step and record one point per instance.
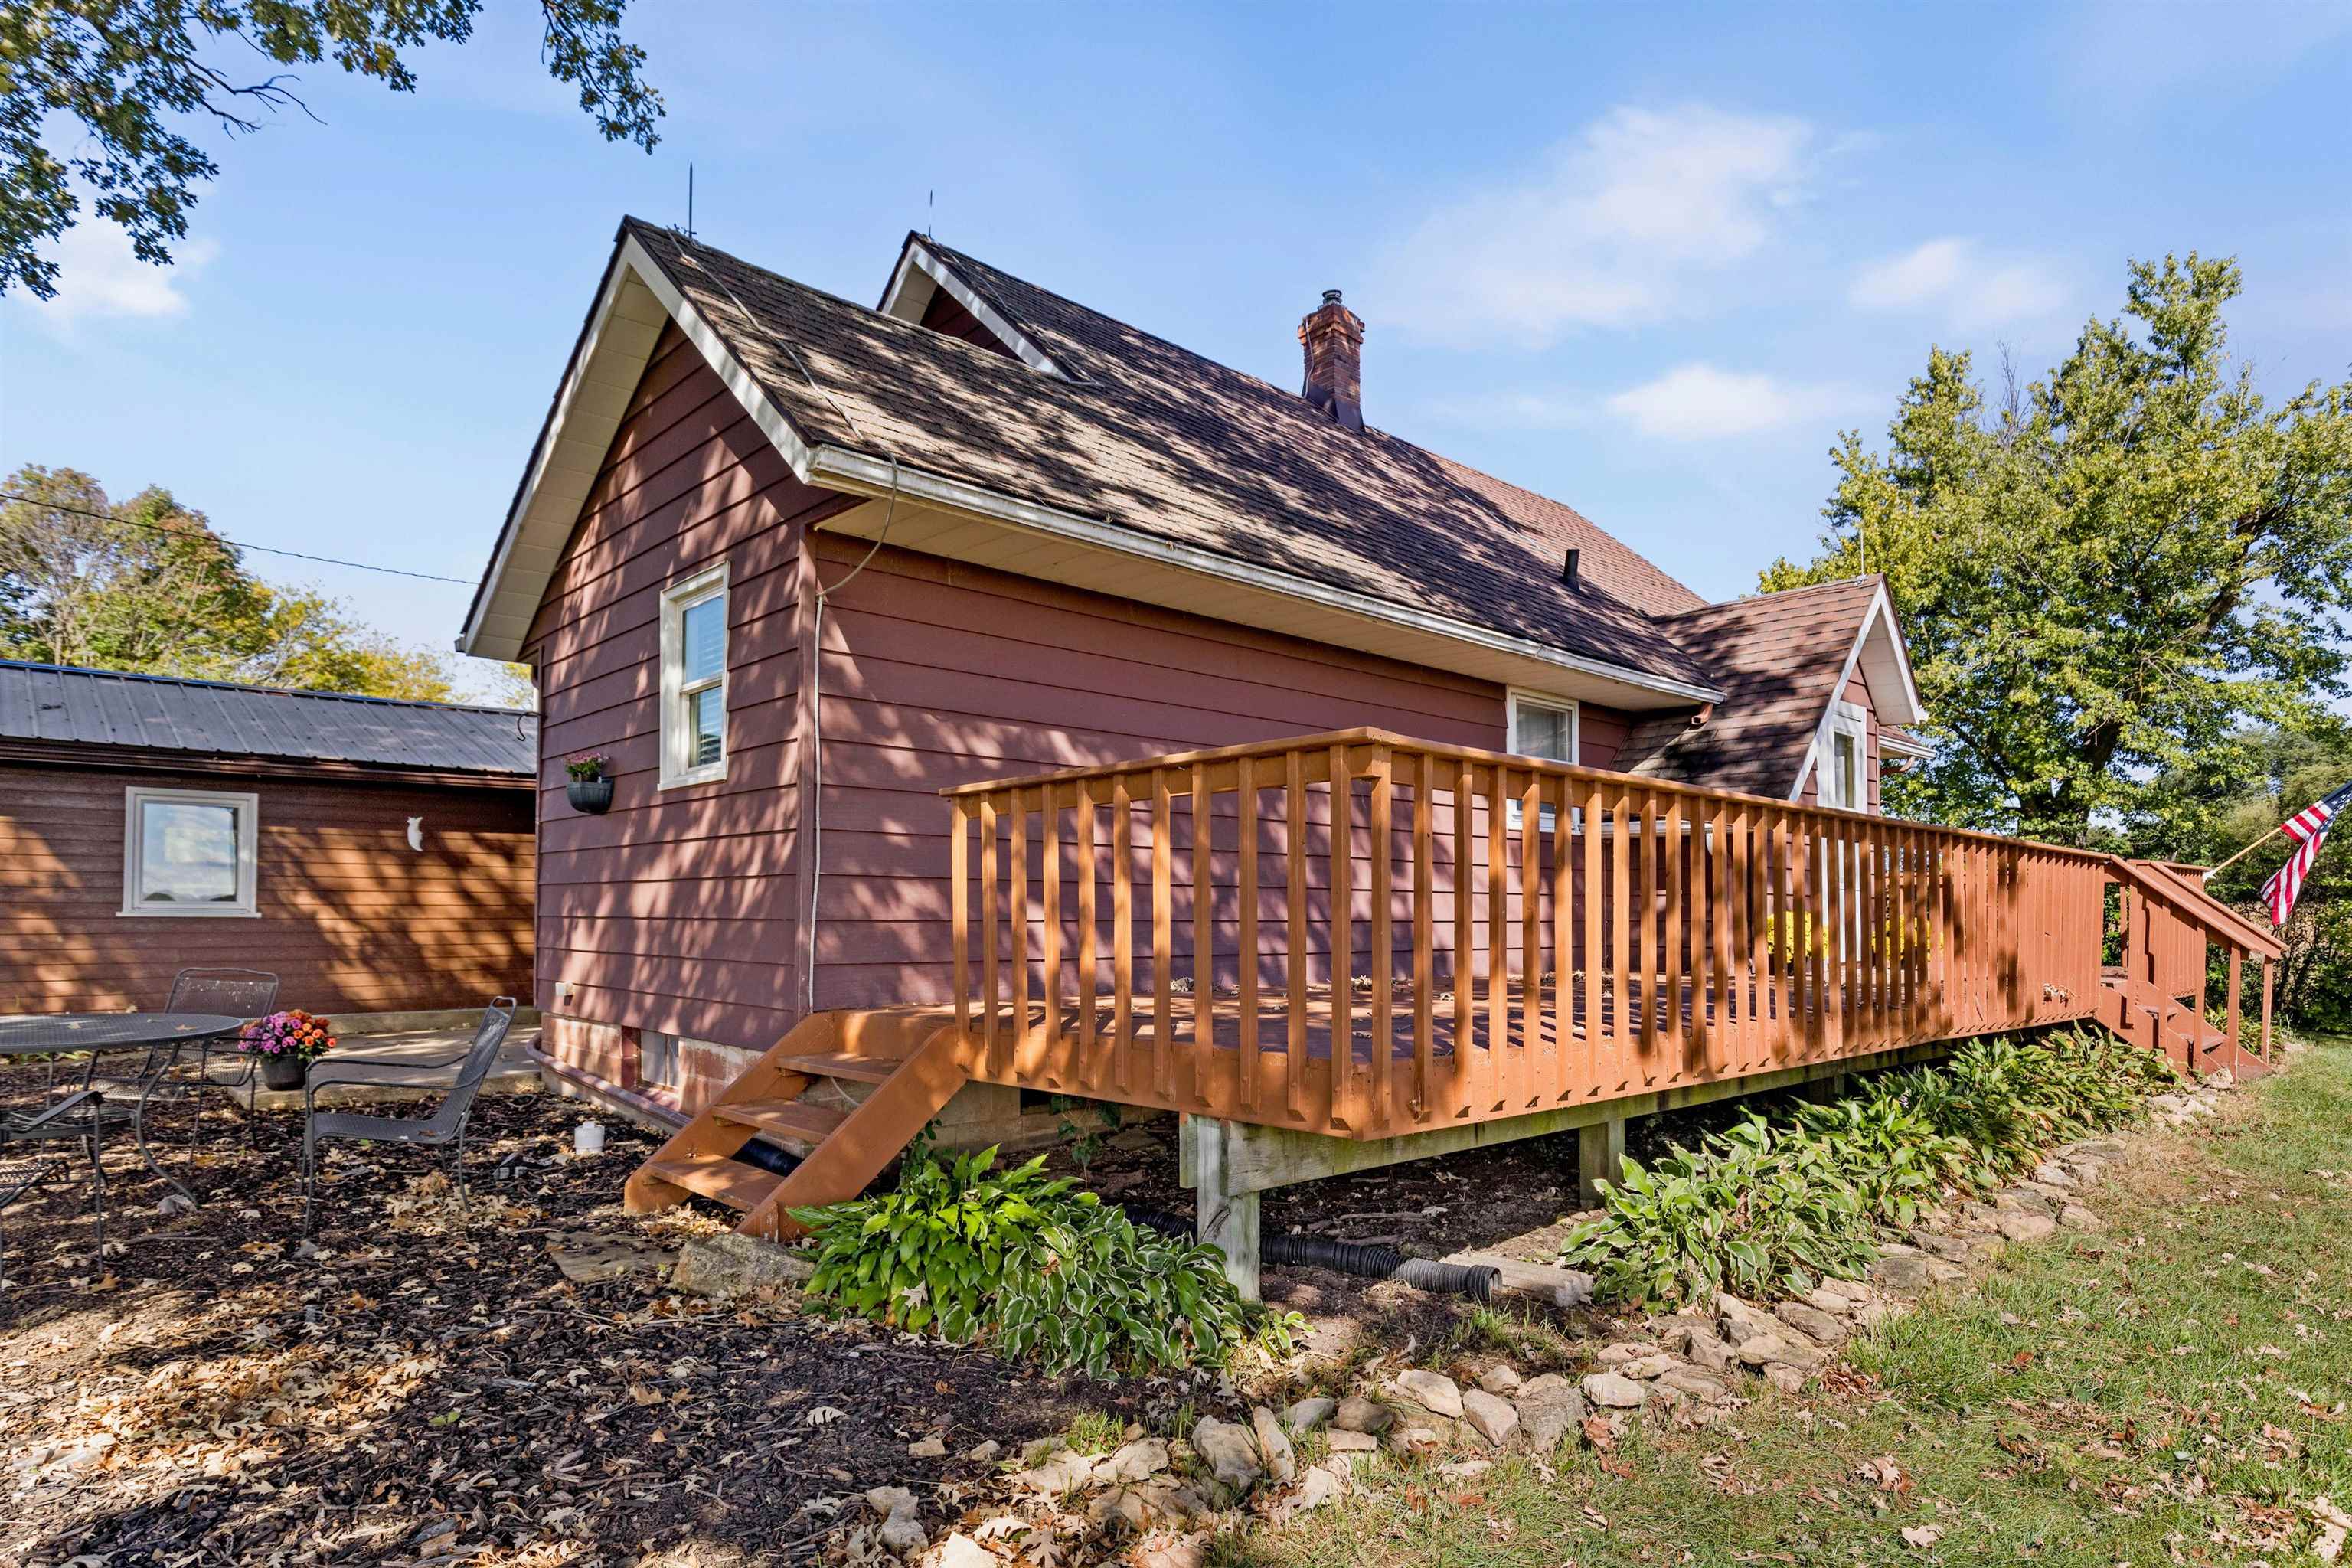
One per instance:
(842, 1065)
(718, 1176)
(793, 1118)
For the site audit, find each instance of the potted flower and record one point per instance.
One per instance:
(285, 1044)
(590, 789)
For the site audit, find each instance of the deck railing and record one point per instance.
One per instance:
(1365, 934)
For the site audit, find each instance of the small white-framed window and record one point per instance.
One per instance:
(189, 852)
(1543, 727)
(1845, 760)
(694, 678)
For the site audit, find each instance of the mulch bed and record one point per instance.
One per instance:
(420, 1383)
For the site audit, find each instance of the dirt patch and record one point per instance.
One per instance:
(423, 1384)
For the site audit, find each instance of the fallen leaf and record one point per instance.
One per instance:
(1922, 1535)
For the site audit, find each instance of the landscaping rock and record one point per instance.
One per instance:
(1784, 1377)
(1613, 1391)
(1551, 1412)
(1492, 1416)
(1820, 1327)
(931, 1447)
(1357, 1414)
(1274, 1448)
(1762, 1349)
(1710, 1351)
(1900, 1268)
(1321, 1487)
(1229, 1451)
(1500, 1380)
(1952, 1248)
(1466, 1470)
(2051, 1173)
(1743, 1320)
(1617, 1355)
(2018, 1225)
(1697, 1385)
(1433, 1390)
(1340, 1440)
(902, 1527)
(1853, 1290)
(1137, 1461)
(2074, 1216)
(961, 1551)
(729, 1264)
(1308, 1414)
(1822, 1299)
(1411, 1440)
(985, 1453)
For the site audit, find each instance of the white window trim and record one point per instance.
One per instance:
(248, 842)
(1512, 696)
(675, 600)
(1846, 719)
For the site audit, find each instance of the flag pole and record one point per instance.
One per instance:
(2207, 875)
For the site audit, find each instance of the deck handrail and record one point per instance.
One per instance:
(1608, 933)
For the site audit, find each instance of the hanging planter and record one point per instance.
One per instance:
(590, 789)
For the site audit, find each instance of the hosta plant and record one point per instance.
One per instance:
(1022, 1261)
(1753, 1209)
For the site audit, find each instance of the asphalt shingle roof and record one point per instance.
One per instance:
(59, 705)
(1150, 437)
(1776, 658)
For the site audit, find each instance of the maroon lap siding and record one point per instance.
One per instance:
(674, 911)
(351, 919)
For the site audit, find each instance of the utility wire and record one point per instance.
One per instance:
(233, 543)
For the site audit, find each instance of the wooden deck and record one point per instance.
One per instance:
(1101, 916)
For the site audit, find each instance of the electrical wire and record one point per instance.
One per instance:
(233, 543)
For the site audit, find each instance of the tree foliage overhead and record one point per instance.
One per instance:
(110, 83)
(2111, 572)
(147, 587)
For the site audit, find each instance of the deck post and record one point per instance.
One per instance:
(1600, 1157)
(1228, 1220)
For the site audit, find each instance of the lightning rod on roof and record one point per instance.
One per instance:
(689, 200)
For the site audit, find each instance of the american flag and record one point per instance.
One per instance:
(2308, 828)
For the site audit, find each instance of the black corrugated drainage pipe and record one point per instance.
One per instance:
(1474, 1280)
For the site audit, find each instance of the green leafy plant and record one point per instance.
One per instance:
(1760, 1208)
(1020, 1260)
(1753, 1209)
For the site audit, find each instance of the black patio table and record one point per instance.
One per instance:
(162, 1035)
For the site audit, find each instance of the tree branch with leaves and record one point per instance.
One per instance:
(127, 72)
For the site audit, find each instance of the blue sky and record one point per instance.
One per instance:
(1649, 260)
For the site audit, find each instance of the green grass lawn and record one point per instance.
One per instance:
(2176, 1390)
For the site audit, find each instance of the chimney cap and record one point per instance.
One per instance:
(1330, 296)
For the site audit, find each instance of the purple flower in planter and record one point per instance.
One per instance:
(292, 1033)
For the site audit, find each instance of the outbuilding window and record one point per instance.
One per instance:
(694, 679)
(1845, 780)
(189, 852)
(1541, 727)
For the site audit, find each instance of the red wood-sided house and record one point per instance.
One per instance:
(1001, 694)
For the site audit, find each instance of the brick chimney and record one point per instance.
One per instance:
(1333, 336)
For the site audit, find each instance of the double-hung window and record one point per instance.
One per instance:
(1541, 727)
(694, 679)
(189, 852)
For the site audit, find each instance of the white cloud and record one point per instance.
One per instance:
(1957, 278)
(98, 276)
(1618, 226)
(1701, 402)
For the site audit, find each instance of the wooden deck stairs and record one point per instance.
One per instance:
(797, 1097)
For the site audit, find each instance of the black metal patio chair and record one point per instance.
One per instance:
(79, 1116)
(444, 1126)
(246, 994)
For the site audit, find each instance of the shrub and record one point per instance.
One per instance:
(1753, 1209)
(1761, 1208)
(1020, 1260)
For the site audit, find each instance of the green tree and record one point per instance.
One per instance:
(2111, 572)
(146, 587)
(2204, 811)
(107, 81)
